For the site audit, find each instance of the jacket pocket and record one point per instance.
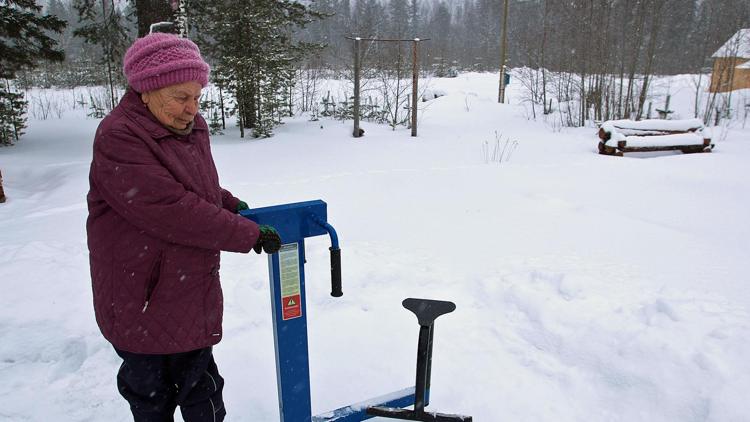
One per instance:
(152, 282)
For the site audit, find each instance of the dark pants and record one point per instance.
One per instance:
(155, 385)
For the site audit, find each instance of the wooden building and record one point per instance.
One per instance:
(732, 64)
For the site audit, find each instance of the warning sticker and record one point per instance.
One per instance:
(290, 281)
(292, 307)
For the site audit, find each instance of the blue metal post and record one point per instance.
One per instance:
(290, 331)
(294, 223)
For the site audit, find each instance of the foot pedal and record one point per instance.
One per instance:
(426, 311)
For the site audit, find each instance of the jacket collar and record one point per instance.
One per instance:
(137, 110)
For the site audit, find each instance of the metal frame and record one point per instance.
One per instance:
(295, 222)
(357, 132)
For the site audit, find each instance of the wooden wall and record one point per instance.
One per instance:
(726, 68)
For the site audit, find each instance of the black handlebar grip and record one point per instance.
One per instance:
(336, 272)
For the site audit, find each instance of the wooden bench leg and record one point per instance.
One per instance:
(607, 150)
(706, 147)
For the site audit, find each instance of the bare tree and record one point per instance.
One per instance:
(657, 8)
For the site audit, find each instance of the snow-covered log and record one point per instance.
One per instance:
(621, 136)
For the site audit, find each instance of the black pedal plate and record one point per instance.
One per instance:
(410, 415)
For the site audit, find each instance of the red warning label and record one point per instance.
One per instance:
(292, 308)
(289, 277)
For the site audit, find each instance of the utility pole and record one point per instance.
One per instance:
(357, 132)
(503, 48)
(414, 85)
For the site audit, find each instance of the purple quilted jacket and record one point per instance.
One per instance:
(157, 221)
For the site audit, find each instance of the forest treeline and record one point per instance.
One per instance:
(667, 36)
(680, 35)
(592, 59)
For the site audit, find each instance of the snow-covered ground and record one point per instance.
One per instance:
(587, 287)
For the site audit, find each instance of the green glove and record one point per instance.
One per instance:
(242, 205)
(268, 240)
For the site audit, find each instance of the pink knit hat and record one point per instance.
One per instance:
(158, 60)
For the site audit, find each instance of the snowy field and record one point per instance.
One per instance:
(588, 287)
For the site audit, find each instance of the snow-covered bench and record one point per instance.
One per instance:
(620, 136)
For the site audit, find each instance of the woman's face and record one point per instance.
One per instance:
(174, 105)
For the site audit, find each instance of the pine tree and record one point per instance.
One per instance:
(149, 12)
(252, 45)
(57, 8)
(12, 115)
(440, 36)
(104, 25)
(330, 30)
(24, 41)
(415, 24)
(398, 12)
(369, 17)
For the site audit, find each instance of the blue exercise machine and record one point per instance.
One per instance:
(295, 222)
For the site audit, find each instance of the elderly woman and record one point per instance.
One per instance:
(157, 221)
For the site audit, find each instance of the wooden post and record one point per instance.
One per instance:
(221, 104)
(414, 86)
(357, 132)
(2, 192)
(415, 81)
(240, 113)
(503, 45)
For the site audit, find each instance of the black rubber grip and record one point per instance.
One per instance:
(336, 272)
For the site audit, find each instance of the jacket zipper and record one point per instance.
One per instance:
(152, 282)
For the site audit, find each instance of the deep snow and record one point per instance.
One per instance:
(587, 287)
